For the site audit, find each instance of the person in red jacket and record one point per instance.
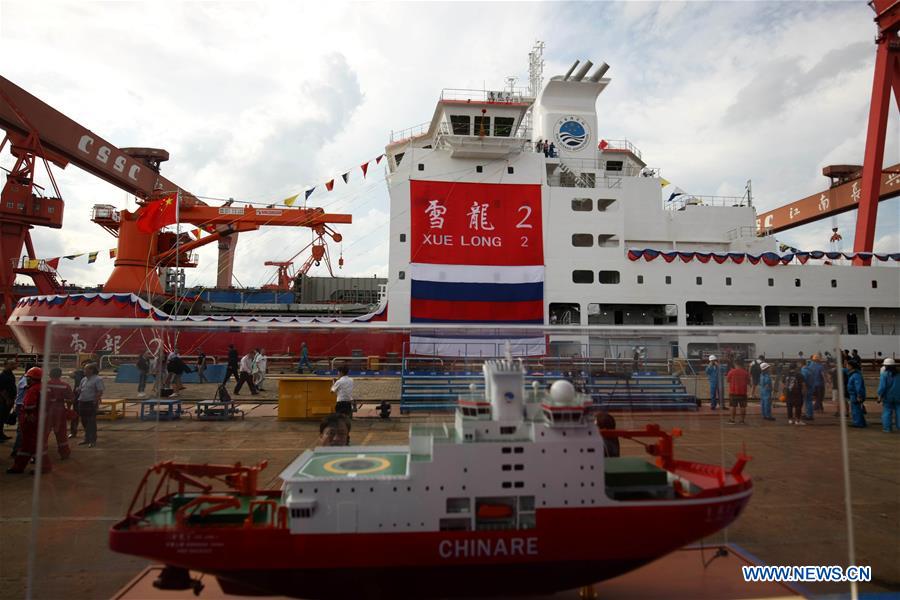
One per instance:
(738, 378)
(30, 413)
(59, 398)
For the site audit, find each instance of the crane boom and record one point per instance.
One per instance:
(838, 199)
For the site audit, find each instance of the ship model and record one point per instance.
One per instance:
(515, 496)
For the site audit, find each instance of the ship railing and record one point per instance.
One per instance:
(521, 135)
(684, 200)
(410, 132)
(516, 95)
(622, 145)
(31, 263)
(744, 231)
(115, 360)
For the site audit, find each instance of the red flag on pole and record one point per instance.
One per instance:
(157, 214)
(364, 167)
(603, 145)
(329, 185)
(53, 263)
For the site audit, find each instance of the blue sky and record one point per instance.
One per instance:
(257, 100)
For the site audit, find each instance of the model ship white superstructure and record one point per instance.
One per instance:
(438, 482)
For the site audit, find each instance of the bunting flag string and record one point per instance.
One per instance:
(92, 257)
(770, 259)
(329, 185)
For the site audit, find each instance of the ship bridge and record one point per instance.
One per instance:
(470, 124)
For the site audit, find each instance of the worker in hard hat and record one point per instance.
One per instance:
(30, 415)
(889, 396)
(713, 374)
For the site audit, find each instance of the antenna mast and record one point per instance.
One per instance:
(535, 79)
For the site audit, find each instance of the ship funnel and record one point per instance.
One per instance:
(579, 75)
(572, 68)
(600, 72)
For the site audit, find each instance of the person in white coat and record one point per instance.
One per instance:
(260, 367)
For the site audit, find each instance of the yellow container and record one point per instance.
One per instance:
(305, 398)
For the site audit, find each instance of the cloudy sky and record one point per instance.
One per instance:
(256, 101)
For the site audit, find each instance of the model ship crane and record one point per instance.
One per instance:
(318, 253)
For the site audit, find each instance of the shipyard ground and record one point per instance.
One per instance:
(796, 516)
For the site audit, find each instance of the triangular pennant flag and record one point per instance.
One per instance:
(92, 257)
(364, 167)
(378, 160)
(197, 233)
(309, 192)
(290, 201)
(345, 176)
(53, 263)
(113, 252)
(73, 256)
(329, 185)
(664, 182)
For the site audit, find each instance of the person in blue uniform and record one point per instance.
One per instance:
(765, 391)
(856, 392)
(715, 388)
(889, 396)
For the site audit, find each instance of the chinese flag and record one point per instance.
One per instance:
(157, 214)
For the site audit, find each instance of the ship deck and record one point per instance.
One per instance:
(353, 465)
(796, 515)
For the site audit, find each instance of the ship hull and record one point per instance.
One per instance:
(568, 548)
(31, 316)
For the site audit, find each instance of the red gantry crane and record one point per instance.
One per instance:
(853, 186)
(37, 131)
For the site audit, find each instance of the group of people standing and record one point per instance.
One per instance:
(175, 368)
(21, 406)
(801, 385)
(547, 147)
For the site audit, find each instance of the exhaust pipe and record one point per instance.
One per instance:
(579, 75)
(600, 72)
(572, 68)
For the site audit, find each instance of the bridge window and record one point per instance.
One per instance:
(503, 126)
(460, 124)
(482, 126)
(614, 165)
(605, 204)
(582, 240)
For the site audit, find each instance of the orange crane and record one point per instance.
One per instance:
(318, 253)
(853, 186)
(37, 131)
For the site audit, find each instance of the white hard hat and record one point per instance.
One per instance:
(764, 366)
(712, 357)
(889, 362)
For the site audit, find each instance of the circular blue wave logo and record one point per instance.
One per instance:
(572, 133)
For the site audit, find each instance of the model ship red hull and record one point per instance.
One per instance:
(571, 547)
(249, 541)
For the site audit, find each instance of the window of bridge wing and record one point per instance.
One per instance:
(503, 126)
(460, 124)
(482, 126)
(582, 240)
